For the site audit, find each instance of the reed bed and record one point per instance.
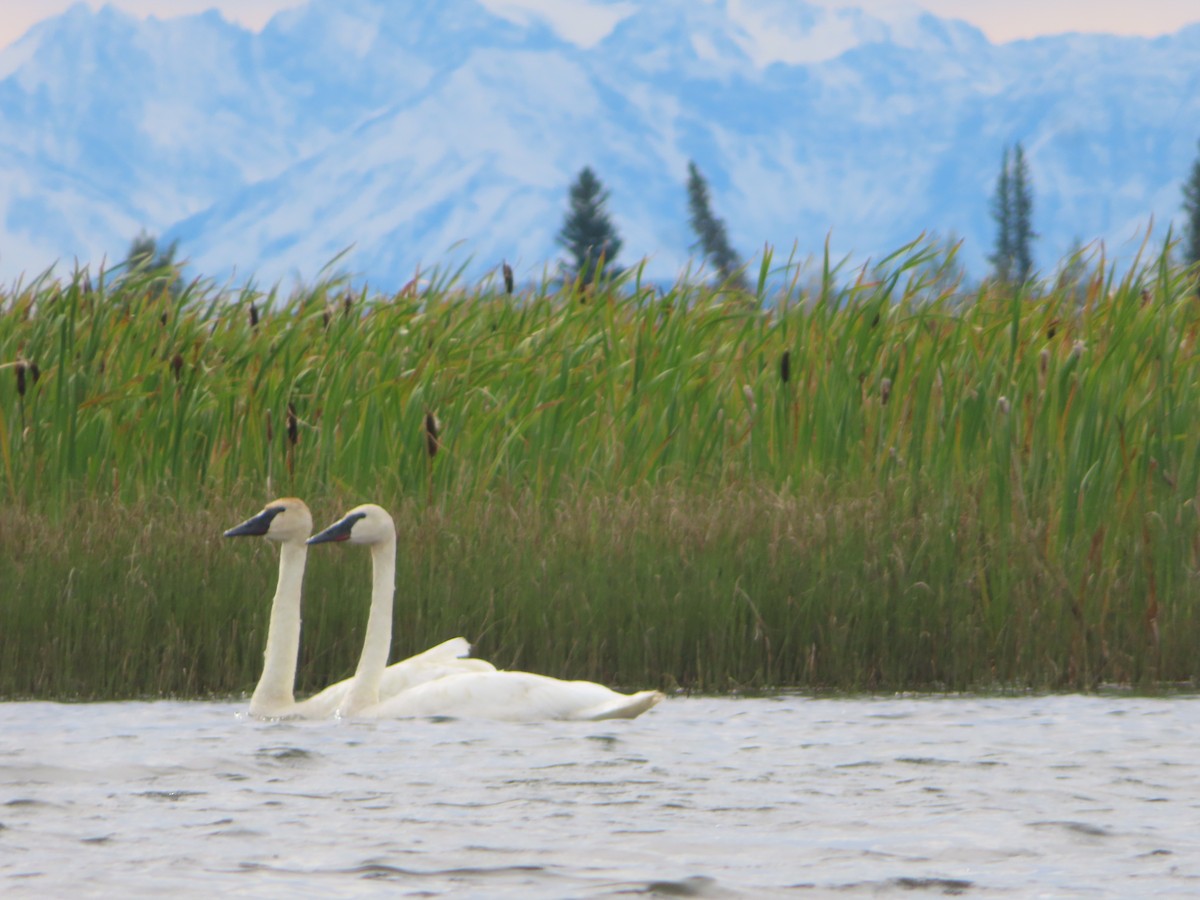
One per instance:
(862, 484)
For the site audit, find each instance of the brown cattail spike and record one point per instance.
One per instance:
(21, 378)
(253, 315)
(885, 390)
(347, 304)
(177, 366)
(293, 425)
(270, 428)
(508, 278)
(431, 434)
(785, 366)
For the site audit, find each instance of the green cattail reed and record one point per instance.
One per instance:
(269, 434)
(589, 415)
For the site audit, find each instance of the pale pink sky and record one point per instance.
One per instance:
(1002, 20)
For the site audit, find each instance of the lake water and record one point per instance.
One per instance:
(1059, 796)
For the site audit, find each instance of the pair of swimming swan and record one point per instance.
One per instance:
(442, 681)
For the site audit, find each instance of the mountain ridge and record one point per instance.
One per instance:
(422, 138)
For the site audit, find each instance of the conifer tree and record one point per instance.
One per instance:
(588, 233)
(146, 257)
(1023, 233)
(711, 237)
(1012, 209)
(1191, 209)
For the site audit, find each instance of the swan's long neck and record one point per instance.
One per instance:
(364, 689)
(275, 688)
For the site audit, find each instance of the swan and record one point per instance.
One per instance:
(288, 522)
(509, 696)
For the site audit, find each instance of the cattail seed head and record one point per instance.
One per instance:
(1044, 361)
(347, 304)
(21, 377)
(431, 434)
(885, 390)
(1004, 406)
(1077, 349)
(293, 425)
(253, 315)
(270, 428)
(177, 366)
(785, 366)
(508, 278)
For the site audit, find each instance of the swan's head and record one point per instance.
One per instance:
(282, 521)
(366, 524)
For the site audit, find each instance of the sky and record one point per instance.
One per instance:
(1001, 20)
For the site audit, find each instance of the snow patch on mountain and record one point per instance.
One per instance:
(423, 134)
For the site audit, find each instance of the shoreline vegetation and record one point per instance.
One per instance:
(868, 481)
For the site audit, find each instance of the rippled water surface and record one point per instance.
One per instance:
(1050, 796)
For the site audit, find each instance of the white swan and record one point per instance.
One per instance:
(288, 523)
(510, 696)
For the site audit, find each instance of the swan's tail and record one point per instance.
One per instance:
(624, 706)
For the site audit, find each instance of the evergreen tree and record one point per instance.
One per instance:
(1023, 233)
(1191, 208)
(1012, 209)
(588, 233)
(1073, 273)
(145, 257)
(144, 254)
(711, 237)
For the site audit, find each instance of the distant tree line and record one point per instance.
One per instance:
(592, 243)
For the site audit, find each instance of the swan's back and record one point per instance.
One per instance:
(446, 659)
(514, 697)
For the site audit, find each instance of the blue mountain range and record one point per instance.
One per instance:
(414, 135)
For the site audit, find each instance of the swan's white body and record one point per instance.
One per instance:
(289, 523)
(513, 697)
(509, 696)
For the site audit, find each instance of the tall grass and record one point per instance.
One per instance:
(861, 484)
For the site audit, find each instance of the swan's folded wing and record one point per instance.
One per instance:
(514, 697)
(450, 657)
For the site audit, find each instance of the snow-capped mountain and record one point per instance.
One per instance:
(429, 134)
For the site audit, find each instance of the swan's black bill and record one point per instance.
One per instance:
(338, 531)
(257, 526)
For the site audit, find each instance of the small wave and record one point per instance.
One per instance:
(1083, 828)
(288, 755)
(170, 795)
(694, 886)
